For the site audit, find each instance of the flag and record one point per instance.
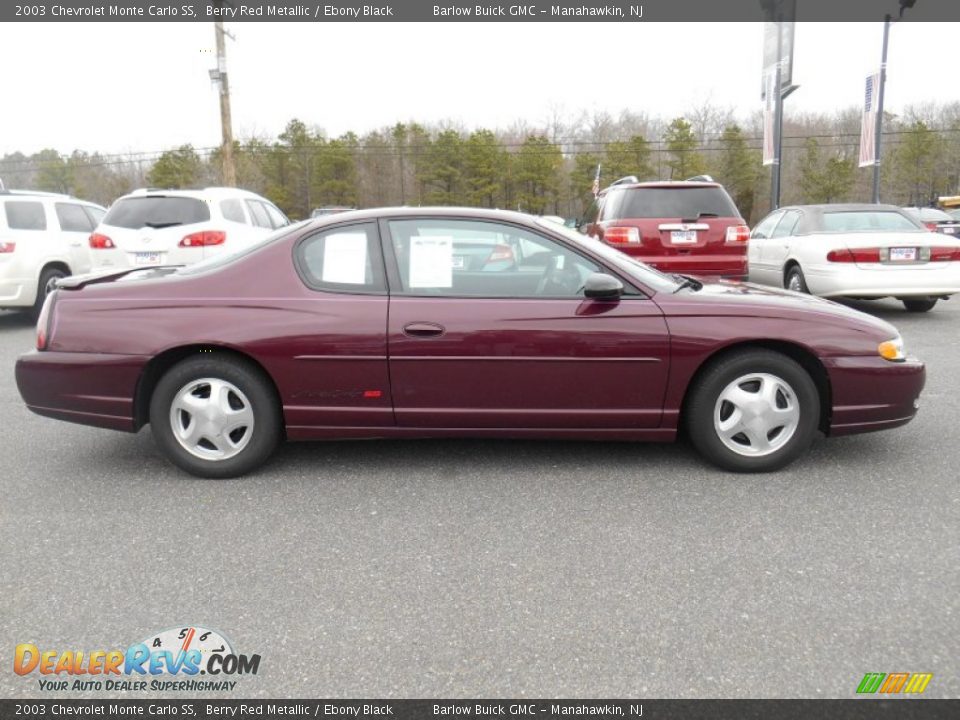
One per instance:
(769, 118)
(596, 182)
(868, 129)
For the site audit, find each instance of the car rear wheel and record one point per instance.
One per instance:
(46, 285)
(215, 417)
(754, 411)
(919, 304)
(796, 281)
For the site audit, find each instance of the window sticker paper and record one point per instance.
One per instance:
(431, 262)
(345, 258)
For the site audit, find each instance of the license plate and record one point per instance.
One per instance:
(683, 237)
(457, 261)
(903, 254)
(146, 258)
(949, 230)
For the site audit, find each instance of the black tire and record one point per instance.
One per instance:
(919, 305)
(244, 376)
(795, 276)
(704, 396)
(43, 288)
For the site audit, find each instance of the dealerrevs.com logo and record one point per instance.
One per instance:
(183, 653)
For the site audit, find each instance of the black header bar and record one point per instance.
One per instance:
(458, 11)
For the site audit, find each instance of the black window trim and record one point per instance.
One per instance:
(632, 290)
(379, 269)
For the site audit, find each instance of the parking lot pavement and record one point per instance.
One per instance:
(478, 568)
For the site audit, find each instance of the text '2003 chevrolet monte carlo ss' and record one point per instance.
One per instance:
(448, 322)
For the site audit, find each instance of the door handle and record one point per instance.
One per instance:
(423, 330)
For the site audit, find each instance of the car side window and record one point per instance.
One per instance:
(787, 223)
(470, 258)
(72, 218)
(258, 214)
(232, 210)
(765, 227)
(278, 219)
(95, 214)
(25, 215)
(344, 259)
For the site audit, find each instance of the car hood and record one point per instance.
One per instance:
(736, 298)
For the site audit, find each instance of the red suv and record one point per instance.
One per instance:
(690, 227)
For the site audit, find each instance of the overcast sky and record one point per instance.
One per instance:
(117, 87)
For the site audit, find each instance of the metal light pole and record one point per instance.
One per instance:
(887, 22)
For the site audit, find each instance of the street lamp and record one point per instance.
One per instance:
(887, 22)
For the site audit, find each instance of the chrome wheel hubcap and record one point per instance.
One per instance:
(211, 419)
(794, 283)
(756, 414)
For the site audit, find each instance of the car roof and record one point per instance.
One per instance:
(209, 192)
(467, 213)
(842, 207)
(37, 193)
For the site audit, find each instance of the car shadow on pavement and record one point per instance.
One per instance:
(15, 320)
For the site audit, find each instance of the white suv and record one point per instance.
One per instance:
(43, 237)
(180, 227)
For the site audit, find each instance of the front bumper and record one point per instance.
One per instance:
(870, 393)
(87, 388)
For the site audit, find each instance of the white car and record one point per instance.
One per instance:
(857, 251)
(152, 227)
(43, 237)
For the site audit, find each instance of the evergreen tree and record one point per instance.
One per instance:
(681, 142)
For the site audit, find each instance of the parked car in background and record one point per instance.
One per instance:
(857, 251)
(689, 227)
(43, 237)
(329, 210)
(936, 220)
(180, 227)
(362, 325)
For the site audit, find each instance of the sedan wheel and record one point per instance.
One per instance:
(795, 280)
(756, 410)
(215, 416)
(45, 286)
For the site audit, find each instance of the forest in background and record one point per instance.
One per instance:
(544, 168)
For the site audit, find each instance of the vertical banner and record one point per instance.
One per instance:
(769, 117)
(868, 128)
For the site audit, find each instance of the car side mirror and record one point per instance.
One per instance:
(602, 286)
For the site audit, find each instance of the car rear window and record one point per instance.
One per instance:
(868, 221)
(156, 211)
(685, 203)
(25, 215)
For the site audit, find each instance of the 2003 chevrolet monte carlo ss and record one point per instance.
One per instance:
(449, 322)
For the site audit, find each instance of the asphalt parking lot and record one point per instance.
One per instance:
(499, 569)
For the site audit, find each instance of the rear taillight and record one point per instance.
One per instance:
(7, 247)
(501, 253)
(738, 234)
(945, 254)
(857, 255)
(43, 321)
(931, 226)
(204, 238)
(101, 242)
(622, 236)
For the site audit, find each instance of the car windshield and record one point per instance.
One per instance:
(631, 266)
(156, 211)
(667, 202)
(869, 221)
(229, 257)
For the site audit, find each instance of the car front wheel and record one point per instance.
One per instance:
(754, 411)
(215, 417)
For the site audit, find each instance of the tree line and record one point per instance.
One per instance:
(543, 169)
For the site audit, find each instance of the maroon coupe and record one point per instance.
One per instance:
(453, 322)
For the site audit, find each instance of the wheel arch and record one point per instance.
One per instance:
(787, 267)
(158, 366)
(801, 355)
